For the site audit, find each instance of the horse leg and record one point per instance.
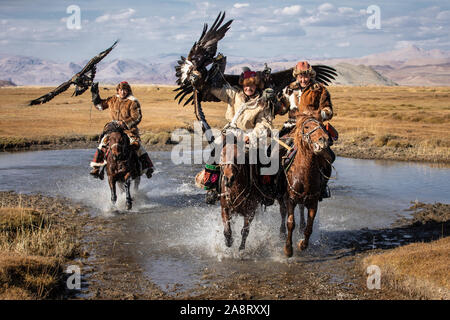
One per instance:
(127, 190)
(246, 229)
(312, 210)
(302, 218)
(136, 184)
(283, 213)
(227, 227)
(112, 187)
(291, 226)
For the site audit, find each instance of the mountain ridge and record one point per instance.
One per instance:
(399, 66)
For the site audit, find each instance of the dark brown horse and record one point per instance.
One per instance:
(304, 178)
(238, 195)
(121, 163)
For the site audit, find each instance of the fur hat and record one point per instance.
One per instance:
(124, 85)
(304, 68)
(249, 77)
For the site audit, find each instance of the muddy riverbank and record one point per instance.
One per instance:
(331, 270)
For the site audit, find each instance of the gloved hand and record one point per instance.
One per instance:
(95, 94)
(326, 114)
(94, 88)
(268, 94)
(123, 125)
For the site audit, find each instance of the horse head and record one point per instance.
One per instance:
(229, 159)
(313, 133)
(119, 145)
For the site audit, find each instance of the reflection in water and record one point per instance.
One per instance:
(174, 235)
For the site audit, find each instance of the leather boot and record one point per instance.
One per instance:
(146, 165)
(97, 162)
(211, 183)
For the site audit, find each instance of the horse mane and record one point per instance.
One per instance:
(112, 126)
(301, 118)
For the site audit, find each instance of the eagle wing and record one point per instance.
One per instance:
(279, 80)
(325, 74)
(49, 96)
(201, 55)
(92, 63)
(82, 79)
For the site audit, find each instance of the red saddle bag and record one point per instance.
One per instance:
(332, 131)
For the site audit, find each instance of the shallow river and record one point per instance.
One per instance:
(174, 235)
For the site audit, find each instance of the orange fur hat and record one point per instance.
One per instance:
(249, 77)
(303, 67)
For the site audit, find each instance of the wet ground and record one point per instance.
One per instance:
(170, 245)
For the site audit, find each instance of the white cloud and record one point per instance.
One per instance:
(123, 15)
(343, 44)
(326, 7)
(241, 5)
(289, 11)
(345, 10)
(403, 44)
(262, 29)
(444, 15)
(326, 15)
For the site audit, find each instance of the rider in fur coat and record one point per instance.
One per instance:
(306, 96)
(125, 109)
(247, 109)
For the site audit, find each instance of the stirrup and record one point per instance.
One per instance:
(325, 193)
(211, 196)
(95, 172)
(149, 172)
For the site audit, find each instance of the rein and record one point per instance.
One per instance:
(307, 136)
(232, 203)
(124, 154)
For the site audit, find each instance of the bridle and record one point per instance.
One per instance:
(242, 196)
(124, 151)
(307, 136)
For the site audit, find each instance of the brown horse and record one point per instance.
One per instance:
(304, 178)
(121, 163)
(238, 193)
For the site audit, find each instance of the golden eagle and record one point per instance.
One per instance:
(193, 68)
(82, 80)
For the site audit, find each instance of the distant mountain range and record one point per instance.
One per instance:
(406, 66)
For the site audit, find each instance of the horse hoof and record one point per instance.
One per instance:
(241, 247)
(129, 206)
(288, 251)
(229, 242)
(302, 245)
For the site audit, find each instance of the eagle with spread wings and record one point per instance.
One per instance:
(192, 71)
(82, 80)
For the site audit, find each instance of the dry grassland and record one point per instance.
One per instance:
(401, 123)
(420, 269)
(36, 241)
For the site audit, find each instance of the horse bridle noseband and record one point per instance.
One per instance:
(124, 151)
(307, 136)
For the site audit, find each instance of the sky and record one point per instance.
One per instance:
(303, 29)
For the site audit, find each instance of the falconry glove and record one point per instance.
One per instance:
(268, 94)
(95, 94)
